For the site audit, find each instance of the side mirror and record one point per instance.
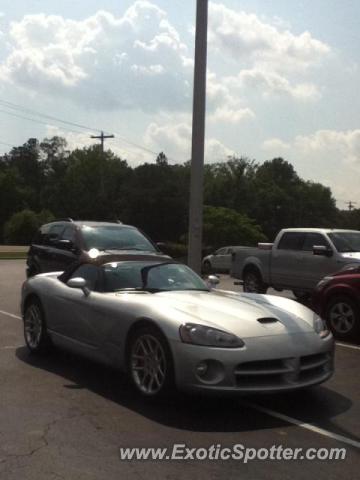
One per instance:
(212, 281)
(322, 250)
(79, 282)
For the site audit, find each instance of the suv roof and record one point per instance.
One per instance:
(90, 223)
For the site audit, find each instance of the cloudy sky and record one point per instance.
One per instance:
(283, 80)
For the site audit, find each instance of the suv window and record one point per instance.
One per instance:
(90, 273)
(115, 237)
(291, 241)
(221, 251)
(54, 234)
(312, 239)
(69, 234)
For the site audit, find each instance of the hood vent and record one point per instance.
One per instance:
(267, 320)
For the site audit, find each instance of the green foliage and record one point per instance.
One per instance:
(224, 226)
(245, 200)
(22, 226)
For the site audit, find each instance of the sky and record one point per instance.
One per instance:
(283, 80)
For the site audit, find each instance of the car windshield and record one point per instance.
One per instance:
(150, 276)
(115, 237)
(346, 241)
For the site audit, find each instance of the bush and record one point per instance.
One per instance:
(22, 226)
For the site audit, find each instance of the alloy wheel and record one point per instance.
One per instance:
(148, 364)
(342, 317)
(33, 326)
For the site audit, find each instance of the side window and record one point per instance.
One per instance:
(54, 233)
(312, 239)
(221, 251)
(291, 241)
(90, 273)
(41, 236)
(69, 234)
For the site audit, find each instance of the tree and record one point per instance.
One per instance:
(224, 226)
(22, 226)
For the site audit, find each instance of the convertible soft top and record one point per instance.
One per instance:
(105, 257)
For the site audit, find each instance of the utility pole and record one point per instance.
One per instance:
(350, 205)
(198, 138)
(102, 138)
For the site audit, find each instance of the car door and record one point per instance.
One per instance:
(85, 318)
(219, 259)
(64, 250)
(314, 267)
(286, 260)
(53, 237)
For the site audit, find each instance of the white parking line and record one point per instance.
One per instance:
(307, 426)
(346, 345)
(12, 315)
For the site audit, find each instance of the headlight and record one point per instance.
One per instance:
(324, 282)
(208, 336)
(320, 327)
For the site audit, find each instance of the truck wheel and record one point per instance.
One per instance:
(253, 282)
(343, 317)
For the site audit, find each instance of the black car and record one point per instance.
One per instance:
(58, 244)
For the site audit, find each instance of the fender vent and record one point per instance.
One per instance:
(267, 320)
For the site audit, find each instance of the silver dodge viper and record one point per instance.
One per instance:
(167, 328)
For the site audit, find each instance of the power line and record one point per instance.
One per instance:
(26, 110)
(350, 205)
(20, 108)
(7, 144)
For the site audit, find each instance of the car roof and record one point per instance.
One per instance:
(90, 223)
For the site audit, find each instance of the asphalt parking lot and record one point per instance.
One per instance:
(62, 417)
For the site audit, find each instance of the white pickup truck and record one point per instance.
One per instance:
(297, 260)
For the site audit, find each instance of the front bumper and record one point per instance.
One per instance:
(265, 365)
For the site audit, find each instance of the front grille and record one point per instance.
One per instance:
(274, 373)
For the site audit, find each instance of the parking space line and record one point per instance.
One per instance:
(307, 426)
(346, 345)
(12, 315)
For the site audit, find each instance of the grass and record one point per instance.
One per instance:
(12, 255)
(13, 252)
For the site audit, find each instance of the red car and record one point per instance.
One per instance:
(337, 300)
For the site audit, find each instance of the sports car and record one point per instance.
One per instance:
(169, 329)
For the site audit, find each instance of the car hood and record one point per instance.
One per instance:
(239, 313)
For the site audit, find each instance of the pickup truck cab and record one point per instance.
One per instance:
(297, 260)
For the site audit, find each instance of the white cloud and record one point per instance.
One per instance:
(243, 35)
(226, 114)
(272, 83)
(275, 146)
(175, 141)
(135, 61)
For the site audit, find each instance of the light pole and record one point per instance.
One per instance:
(198, 138)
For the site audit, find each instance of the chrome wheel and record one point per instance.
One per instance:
(148, 364)
(342, 317)
(33, 326)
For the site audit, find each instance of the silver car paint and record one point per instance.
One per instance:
(97, 325)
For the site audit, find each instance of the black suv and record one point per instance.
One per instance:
(58, 244)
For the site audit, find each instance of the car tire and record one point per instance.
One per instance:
(207, 269)
(253, 282)
(35, 330)
(150, 363)
(32, 270)
(343, 317)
